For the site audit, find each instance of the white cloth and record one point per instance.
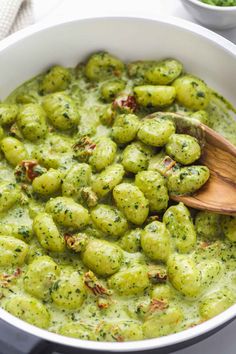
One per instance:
(14, 15)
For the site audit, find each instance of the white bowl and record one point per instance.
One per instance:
(202, 52)
(216, 17)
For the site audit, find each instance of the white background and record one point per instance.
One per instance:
(60, 10)
(54, 11)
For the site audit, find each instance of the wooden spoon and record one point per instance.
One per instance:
(219, 155)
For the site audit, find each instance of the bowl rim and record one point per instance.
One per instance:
(147, 344)
(195, 28)
(212, 7)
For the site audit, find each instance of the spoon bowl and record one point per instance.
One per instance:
(219, 193)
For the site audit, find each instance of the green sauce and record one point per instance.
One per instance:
(95, 272)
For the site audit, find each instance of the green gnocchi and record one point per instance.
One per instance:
(93, 245)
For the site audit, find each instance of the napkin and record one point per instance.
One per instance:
(14, 15)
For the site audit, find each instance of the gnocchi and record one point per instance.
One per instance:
(93, 245)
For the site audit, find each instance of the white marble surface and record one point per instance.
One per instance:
(54, 11)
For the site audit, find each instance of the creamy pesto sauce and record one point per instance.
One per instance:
(122, 307)
(221, 120)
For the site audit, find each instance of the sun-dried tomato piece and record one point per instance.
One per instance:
(167, 164)
(103, 302)
(158, 305)
(92, 282)
(17, 272)
(28, 170)
(147, 309)
(89, 196)
(83, 149)
(6, 279)
(157, 274)
(125, 103)
(76, 242)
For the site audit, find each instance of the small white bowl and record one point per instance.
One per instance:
(211, 16)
